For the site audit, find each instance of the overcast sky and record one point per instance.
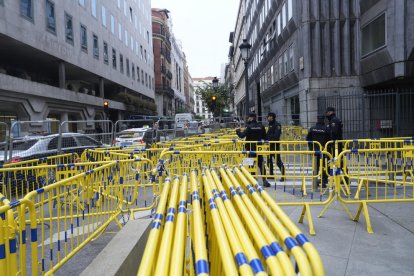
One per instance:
(203, 27)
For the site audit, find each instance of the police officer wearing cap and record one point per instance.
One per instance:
(254, 131)
(319, 133)
(273, 134)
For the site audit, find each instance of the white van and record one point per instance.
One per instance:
(182, 118)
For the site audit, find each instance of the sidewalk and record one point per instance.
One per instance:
(347, 249)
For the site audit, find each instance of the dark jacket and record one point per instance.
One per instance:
(318, 133)
(335, 128)
(253, 132)
(274, 131)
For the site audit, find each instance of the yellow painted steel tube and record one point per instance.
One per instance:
(178, 249)
(313, 254)
(282, 232)
(261, 224)
(201, 259)
(247, 244)
(227, 259)
(235, 243)
(147, 262)
(268, 254)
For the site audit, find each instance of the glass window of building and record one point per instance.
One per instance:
(125, 8)
(278, 25)
(145, 55)
(127, 67)
(120, 31)
(50, 16)
(138, 78)
(119, 4)
(112, 24)
(26, 8)
(68, 28)
(284, 14)
(131, 15)
(148, 40)
(280, 67)
(290, 9)
(105, 53)
(103, 12)
(291, 58)
(121, 63)
(93, 8)
(142, 52)
(142, 76)
(146, 80)
(374, 35)
(82, 3)
(95, 46)
(126, 38)
(132, 43)
(285, 58)
(133, 71)
(113, 58)
(83, 38)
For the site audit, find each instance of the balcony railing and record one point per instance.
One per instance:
(163, 89)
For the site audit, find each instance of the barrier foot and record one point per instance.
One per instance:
(363, 206)
(346, 185)
(327, 205)
(306, 209)
(118, 223)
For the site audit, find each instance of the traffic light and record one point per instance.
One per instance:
(213, 103)
(106, 104)
(214, 98)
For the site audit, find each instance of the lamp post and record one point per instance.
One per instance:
(215, 83)
(244, 49)
(214, 97)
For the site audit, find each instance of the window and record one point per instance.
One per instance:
(373, 35)
(103, 16)
(284, 16)
(93, 7)
(279, 25)
(286, 61)
(68, 28)
(138, 78)
(145, 56)
(112, 24)
(291, 58)
(132, 43)
(119, 4)
(113, 58)
(290, 9)
(125, 8)
(127, 67)
(280, 67)
(148, 37)
(130, 14)
(120, 31)
(142, 76)
(146, 80)
(105, 53)
(121, 63)
(126, 38)
(50, 16)
(95, 46)
(82, 3)
(142, 52)
(84, 38)
(26, 8)
(133, 71)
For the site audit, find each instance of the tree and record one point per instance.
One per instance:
(217, 99)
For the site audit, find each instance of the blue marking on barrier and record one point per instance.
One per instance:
(302, 239)
(51, 254)
(216, 195)
(40, 190)
(156, 225)
(223, 193)
(2, 251)
(14, 203)
(354, 150)
(3, 216)
(202, 267)
(23, 236)
(171, 210)
(213, 206)
(251, 190)
(290, 243)
(242, 192)
(182, 203)
(2, 199)
(276, 248)
(33, 235)
(260, 189)
(238, 188)
(1, 166)
(214, 191)
(318, 152)
(158, 216)
(59, 245)
(233, 193)
(83, 214)
(60, 165)
(225, 197)
(12, 246)
(267, 252)
(177, 152)
(77, 221)
(210, 200)
(137, 176)
(241, 259)
(43, 264)
(182, 210)
(66, 236)
(338, 171)
(170, 218)
(196, 197)
(257, 266)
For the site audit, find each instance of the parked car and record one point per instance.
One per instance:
(138, 137)
(29, 147)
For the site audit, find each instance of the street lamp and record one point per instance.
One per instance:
(244, 49)
(215, 83)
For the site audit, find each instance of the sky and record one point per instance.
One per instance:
(203, 27)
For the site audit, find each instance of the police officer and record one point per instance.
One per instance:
(273, 134)
(254, 131)
(319, 133)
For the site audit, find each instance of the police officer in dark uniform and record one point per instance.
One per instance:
(254, 131)
(273, 134)
(319, 133)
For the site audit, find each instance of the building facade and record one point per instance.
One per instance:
(306, 55)
(200, 108)
(177, 69)
(62, 59)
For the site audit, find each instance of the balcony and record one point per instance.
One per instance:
(163, 89)
(163, 69)
(169, 74)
